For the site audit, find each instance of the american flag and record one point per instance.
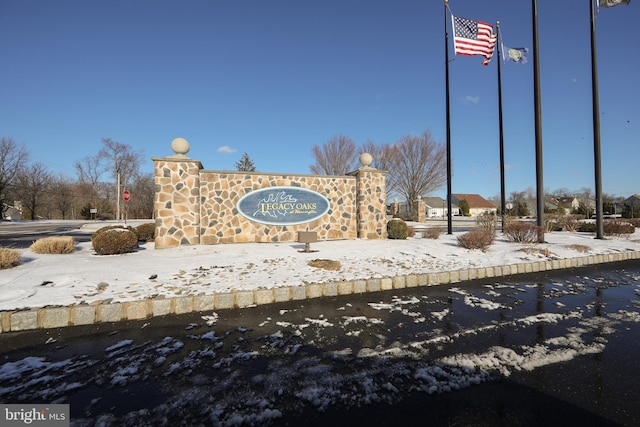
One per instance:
(473, 38)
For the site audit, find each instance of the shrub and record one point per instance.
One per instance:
(487, 221)
(9, 258)
(146, 232)
(433, 232)
(54, 245)
(114, 240)
(618, 228)
(397, 229)
(587, 227)
(571, 222)
(112, 227)
(633, 221)
(478, 238)
(521, 232)
(614, 227)
(553, 222)
(411, 231)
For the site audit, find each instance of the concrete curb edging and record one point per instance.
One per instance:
(87, 314)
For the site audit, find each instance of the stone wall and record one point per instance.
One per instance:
(196, 206)
(221, 222)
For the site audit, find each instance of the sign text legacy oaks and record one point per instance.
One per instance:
(283, 205)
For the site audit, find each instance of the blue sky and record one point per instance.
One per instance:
(275, 77)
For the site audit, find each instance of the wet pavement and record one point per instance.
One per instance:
(556, 348)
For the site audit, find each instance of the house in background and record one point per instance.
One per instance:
(437, 207)
(569, 204)
(633, 201)
(12, 213)
(632, 204)
(478, 205)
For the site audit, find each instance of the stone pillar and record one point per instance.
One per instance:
(371, 200)
(177, 198)
(418, 210)
(395, 208)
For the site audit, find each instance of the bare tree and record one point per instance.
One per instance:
(125, 164)
(33, 182)
(382, 154)
(142, 196)
(62, 191)
(13, 158)
(520, 201)
(336, 156)
(417, 166)
(89, 171)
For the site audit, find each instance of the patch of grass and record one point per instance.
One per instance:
(578, 248)
(9, 258)
(433, 232)
(326, 264)
(54, 245)
(537, 251)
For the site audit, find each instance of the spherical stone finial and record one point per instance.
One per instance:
(366, 159)
(180, 146)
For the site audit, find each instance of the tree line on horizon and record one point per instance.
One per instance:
(415, 166)
(41, 194)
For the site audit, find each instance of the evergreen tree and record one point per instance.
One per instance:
(245, 164)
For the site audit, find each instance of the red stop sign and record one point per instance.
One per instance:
(126, 195)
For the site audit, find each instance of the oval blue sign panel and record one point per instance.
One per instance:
(283, 205)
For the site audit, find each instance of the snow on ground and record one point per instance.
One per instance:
(207, 372)
(51, 280)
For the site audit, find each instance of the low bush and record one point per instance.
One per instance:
(614, 227)
(146, 232)
(478, 238)
(586, 227)
(114, 240)
(553, 222)
(54, 245)
(112, 227)
(397, 229)
(618, 228)
(571, 222)
(9, 258)
(521, 232)
(633, 221)
(433, 232)
(487, 221)
(411, 231)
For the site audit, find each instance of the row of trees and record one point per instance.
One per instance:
(415, 164)
(95, 192)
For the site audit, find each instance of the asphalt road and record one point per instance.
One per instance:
(553, 348)
(20, 235)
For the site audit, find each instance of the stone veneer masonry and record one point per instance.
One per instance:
(194, 206)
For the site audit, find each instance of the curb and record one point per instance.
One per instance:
(87, 314)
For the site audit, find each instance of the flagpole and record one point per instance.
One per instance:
(596, 125)
(446, 63)
(503, 203)
(538, 124)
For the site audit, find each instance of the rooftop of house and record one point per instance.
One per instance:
(474, 200)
